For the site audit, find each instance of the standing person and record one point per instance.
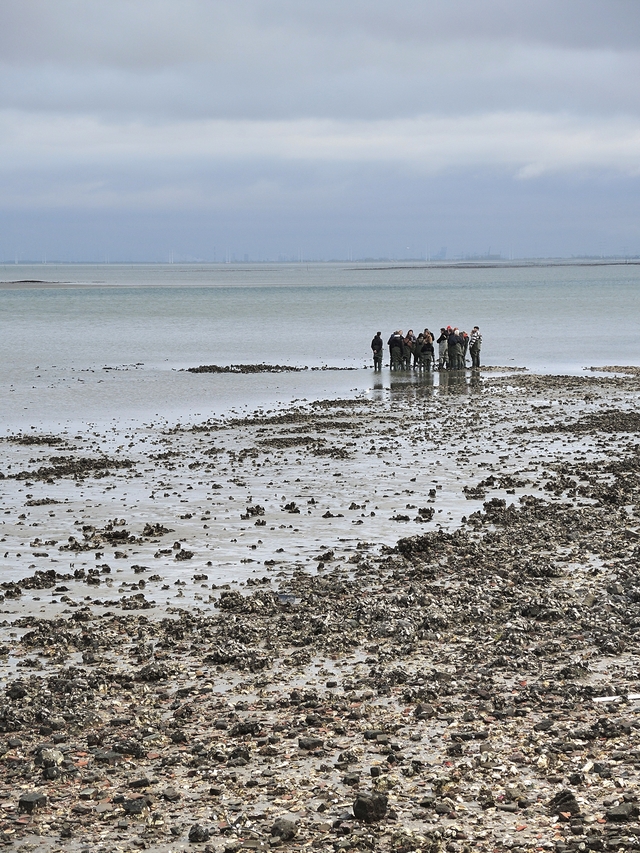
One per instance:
(395, 343)
(408, 345)
(376, 348)
(452, 340)
(475, 345)
(443, 349)
(456, 352)
(465, 347)
(427, 349)
(417, 352)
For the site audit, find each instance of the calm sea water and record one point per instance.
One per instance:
(148, 322)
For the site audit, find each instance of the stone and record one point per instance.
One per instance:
(29, 803)
(198, 834)
(623, 812)
(310, 743)
(370, 807)
(284, 829)
(136, 805)
(564, 803)
(51, 757)
(89, 793)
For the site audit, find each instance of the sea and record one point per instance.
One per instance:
(83, 344)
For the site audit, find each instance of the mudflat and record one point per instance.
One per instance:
(394, 624)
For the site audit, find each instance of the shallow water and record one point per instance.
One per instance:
(60, 335)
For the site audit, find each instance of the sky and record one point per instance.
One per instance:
(201, 130)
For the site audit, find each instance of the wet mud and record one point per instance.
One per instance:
(400, 623)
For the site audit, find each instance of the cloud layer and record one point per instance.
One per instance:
(203, 108)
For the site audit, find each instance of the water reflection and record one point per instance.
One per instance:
(419, 384)
(379, 390)
(453, 382)
(413, 385)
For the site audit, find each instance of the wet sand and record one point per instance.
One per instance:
(426, 603)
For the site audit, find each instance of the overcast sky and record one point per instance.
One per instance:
(134, 129)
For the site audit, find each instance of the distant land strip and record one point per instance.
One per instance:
(498, 265)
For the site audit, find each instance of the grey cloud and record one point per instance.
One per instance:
(164, 32)
(319, 59)
(133, 127)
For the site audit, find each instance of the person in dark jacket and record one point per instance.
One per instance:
(443, 349)
(376, 349)
(456, 351)
(452, 341)
(396, 345)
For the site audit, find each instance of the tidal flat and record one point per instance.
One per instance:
(400, 623)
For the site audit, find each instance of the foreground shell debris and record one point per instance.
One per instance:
(350, 625)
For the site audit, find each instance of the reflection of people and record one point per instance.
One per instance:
(475, 345)
(453, 382)
(376, 348)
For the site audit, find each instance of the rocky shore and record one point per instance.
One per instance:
(409, 623)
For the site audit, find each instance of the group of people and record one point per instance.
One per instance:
(408, 351)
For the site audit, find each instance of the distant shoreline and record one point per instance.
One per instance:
(15, 284)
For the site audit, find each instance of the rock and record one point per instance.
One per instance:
(51, 757)
(171, 795)
(153, 672)
(310, 743)
(135, 805)
(370, 807)
(246, 727)
(564, 803)
(284, 828)
(89, 793)
(424, 712)
(198, 834)
(29, 803)
(623, 812)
